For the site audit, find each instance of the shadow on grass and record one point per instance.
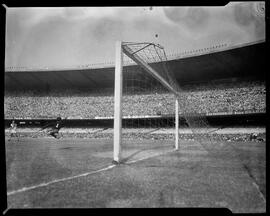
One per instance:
(126, 159)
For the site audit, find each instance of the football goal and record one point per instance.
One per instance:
(149, 103)
(139, 84)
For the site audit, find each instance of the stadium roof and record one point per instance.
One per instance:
(218, 62)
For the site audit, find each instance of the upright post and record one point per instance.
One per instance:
(118, 103)
(176, 124)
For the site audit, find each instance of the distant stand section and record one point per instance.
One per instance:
(220, 98)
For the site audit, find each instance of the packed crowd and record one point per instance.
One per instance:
(229, 98)
(247, 96)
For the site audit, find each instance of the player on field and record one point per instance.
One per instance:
(54, 128)
(13, 128)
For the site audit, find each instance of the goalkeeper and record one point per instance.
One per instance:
(54, 128)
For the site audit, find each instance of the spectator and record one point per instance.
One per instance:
(196, 98)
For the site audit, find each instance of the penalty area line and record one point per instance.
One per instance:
(58, 180)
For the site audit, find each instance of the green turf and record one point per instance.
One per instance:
(190, 177)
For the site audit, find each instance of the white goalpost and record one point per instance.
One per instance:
(118, 93)
(118, 82)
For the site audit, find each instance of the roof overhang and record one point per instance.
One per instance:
(244, 61)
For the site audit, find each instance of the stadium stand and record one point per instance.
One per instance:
(247, 96)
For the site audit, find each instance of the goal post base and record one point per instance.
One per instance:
(114, 162)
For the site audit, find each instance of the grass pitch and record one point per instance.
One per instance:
(190, 177)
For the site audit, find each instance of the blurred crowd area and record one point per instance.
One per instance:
(248, 96)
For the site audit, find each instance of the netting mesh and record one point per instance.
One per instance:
(145, 102)
(140, 81)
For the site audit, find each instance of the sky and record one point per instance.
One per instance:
(73, 36)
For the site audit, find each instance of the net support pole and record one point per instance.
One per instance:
(176, 124)
(118, 102)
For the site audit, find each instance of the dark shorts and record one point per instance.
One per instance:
(53, 131)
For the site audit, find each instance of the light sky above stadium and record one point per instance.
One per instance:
(73, 36)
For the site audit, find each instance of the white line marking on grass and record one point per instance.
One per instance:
(155, 155)
(260, 193)
(81, 175)
(256, 186)
(58, 180)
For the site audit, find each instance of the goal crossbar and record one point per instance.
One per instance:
(149, 69)
(120, 49)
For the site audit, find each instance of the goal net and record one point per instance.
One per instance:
(148, 104)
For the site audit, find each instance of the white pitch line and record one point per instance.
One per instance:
(81, 175)
(144, 158)
(58, 180)
(259, 191)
